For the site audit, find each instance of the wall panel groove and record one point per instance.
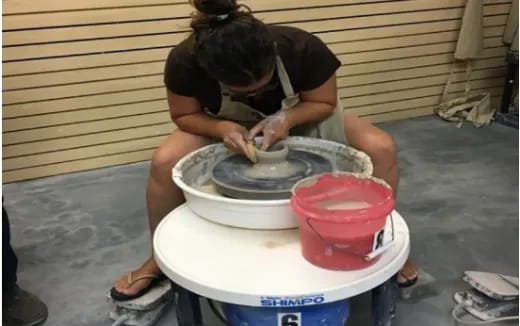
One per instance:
(82, 80)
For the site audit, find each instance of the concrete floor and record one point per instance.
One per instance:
(76, 233)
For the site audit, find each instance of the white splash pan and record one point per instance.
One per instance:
(194, 170)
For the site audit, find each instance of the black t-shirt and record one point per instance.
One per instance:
(308, 61)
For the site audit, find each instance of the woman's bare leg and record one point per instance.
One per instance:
(382, 150)
(162, 195)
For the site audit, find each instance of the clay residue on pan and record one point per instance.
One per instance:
(270, 171)
(208, 188)
(272, 244)
(290, 237)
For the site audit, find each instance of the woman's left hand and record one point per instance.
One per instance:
(274, 128)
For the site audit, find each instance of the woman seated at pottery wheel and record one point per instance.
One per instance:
(235, 78)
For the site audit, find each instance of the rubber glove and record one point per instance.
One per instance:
(274, 128)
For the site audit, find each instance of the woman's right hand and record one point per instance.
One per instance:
(234, 136)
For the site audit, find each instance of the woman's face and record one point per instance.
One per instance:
(264, 84)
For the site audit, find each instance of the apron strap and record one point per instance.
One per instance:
(467, 86)
(444, 97)
(284, 78)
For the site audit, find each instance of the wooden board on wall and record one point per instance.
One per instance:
(82, 80)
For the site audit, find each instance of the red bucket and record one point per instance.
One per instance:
(342, 218)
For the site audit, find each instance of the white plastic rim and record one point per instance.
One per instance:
(251, 214)
(186, 247)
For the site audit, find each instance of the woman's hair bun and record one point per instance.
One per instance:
(215, 7)
(229, 43)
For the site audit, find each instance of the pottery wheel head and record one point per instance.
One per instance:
(236, 177)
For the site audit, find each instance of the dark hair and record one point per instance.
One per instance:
(230, 43)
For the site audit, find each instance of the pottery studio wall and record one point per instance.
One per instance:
(82, 80)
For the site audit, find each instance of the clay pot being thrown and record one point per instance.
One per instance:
(271, 177)
(274, 155)
(271, 164)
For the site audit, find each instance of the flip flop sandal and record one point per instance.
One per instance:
(419, 287)
(118, 296)
(408, 282)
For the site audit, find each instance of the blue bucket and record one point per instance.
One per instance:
(326, 314)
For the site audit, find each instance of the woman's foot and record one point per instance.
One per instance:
(126, 287)
(408, 274)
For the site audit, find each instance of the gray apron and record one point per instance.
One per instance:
(470, 42)
(331, 128)
(476, 108)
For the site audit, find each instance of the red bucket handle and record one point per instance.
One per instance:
(371, 255)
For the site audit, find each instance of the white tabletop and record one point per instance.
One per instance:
(247, 266)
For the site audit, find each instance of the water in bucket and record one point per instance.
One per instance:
(342, 218)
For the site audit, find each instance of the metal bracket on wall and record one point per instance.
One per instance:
(508, 111)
